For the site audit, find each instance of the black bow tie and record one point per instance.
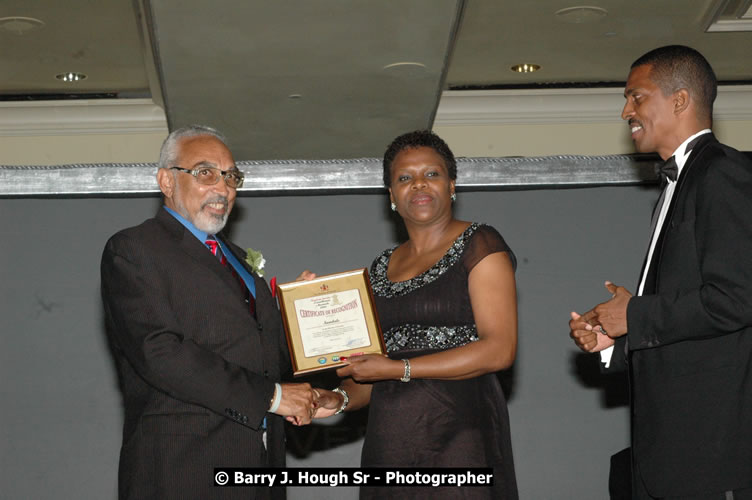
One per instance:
(668, 171)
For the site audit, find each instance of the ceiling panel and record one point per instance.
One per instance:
(98, 38)
(307, 80)
(304, 79)
(495, 35)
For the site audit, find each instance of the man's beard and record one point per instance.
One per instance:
(208, 223)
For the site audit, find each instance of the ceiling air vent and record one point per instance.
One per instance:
(730, 15)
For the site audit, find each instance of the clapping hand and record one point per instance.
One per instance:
(596, 329)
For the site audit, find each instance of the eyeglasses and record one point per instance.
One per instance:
(209, 176)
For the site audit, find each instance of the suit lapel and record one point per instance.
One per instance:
(234, 250)
(264, 300)
(240, 257)
(196, 249)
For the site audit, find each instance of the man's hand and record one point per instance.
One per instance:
(328, 403)
(612, 314)
(587, 337)
(298, 403)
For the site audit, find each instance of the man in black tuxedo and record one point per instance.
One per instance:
(196, 336)
(686, 336)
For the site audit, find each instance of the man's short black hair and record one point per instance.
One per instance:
(418, 139)
(675, 67)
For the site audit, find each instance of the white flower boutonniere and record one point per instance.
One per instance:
(256, 260)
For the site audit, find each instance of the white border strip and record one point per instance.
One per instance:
(730, 26)
(95, 116)
(600, 105)
(457, 107)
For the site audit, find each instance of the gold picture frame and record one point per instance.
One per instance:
(329, 317)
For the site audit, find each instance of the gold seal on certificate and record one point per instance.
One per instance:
(327, 318)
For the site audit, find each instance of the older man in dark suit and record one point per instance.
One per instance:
(686, 336)
(196, 336)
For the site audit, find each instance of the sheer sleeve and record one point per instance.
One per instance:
(485, 241)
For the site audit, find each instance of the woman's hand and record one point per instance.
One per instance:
(371, 368)
(306, 276)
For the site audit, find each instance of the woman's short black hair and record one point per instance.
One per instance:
(418, 139)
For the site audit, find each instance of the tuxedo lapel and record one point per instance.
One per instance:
(651, 280)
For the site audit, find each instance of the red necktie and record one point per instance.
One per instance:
(217, 252)
(214, 248)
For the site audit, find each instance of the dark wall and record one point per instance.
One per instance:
(61, 416)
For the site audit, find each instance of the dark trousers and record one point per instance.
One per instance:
(624, 485)
(639, 492)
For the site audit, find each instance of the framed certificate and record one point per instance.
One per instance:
(327, 318)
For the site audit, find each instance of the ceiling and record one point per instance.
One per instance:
(336, 79)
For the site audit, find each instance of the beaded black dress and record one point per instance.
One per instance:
(437, 423)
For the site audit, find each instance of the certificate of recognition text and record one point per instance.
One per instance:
(332, 322)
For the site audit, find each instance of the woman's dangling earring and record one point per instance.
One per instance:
(454, 197)
(394, 207)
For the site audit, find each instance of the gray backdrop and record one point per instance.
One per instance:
(61, 419)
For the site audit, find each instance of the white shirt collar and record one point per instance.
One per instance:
(681, 154)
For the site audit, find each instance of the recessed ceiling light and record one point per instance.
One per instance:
(71, 77)
(525, 68)
(20, 25)
(295, 96)
(581, 14)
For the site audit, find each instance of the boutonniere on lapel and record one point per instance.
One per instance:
(255, 260)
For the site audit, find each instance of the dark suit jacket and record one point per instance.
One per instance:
(690, 334)
(197, 370)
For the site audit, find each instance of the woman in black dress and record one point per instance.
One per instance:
(447, 306)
